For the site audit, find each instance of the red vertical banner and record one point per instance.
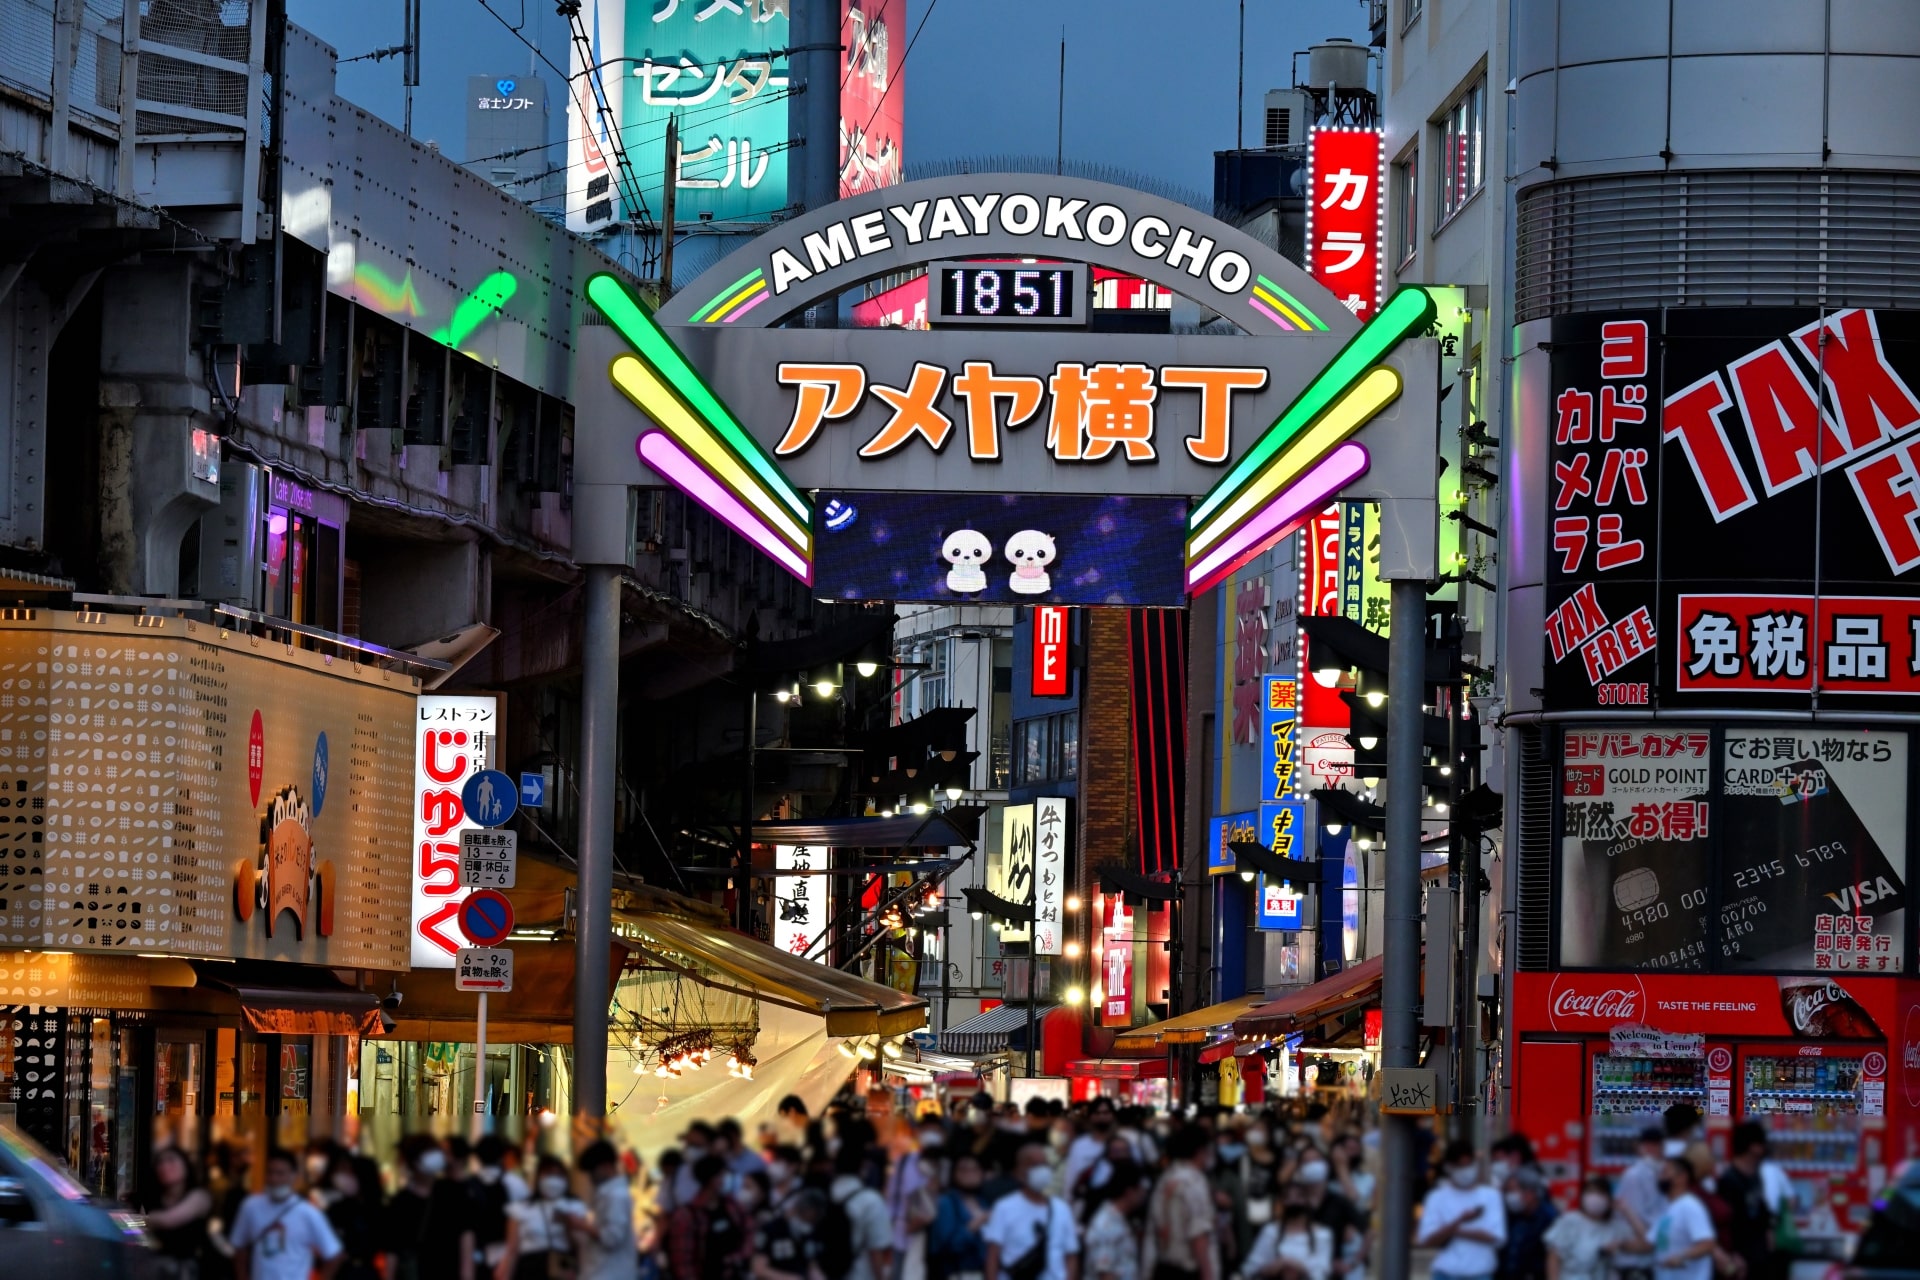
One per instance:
(873, 34)
(1344, 226)
(1049, 651)
(1320, 705)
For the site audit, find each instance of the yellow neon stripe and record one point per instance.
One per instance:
(1282, 308)
(1343, 417)
(715, 317)
(657, 402)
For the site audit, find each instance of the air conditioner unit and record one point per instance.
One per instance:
(1289, 115)
(231, 549)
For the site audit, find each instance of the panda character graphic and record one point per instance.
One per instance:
(967, 550)
(1031, 551)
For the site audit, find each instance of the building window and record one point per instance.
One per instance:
(1410, 12)
(1406, 206)
(1463, 158)
(1046, 749)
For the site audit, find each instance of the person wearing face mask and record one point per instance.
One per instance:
(176, 1215)
(1312, 1188)
(1464, 1218)
(603, 1235)
(867, 1225)
(280, 1236)
(1681, 1239)
(1228, 1179)
(709, 1237)
(1507, 1155)
(1639, 1189)
(491, 1196)
(1182, 1242)
(785, 1167)
(1293, 1248)
(1530, 1214)
(787, 1244)
(428, 1232)
(1087, 1149)
(955, 1250)
(1581, 1243)
(353, 1212)
(913, 1197)
(1031, 1235)
(539, 1246)
(1351, 1176)
(1112, 1246)
(696, 1142)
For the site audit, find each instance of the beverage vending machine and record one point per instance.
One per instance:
(1830, 1065)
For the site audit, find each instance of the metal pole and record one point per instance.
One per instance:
(1400, 941)
(1032, 960)
(822, 103)
(667, 202)
(1461, 875)
(1240, 87)
(1060, 110)
(743, 856)
(593, 925)
(479, 1125)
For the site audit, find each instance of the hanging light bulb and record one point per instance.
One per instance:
(954, 791)
(781, 695)
(1247, 876)
(1333, 828)
(845, 1052)
(1368, 741)
(824, 688)
(1376, 699)
(973, 915)
(1370, 781)
(892, 1050)
(866, 668)
(1446, 771)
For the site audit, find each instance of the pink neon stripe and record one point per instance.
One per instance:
(1270, 313)
(1303, 497)
(666, 457)
(740, 311)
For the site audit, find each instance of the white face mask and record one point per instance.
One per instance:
(1314, 1171)
(432, 1163)
(1464, 1176)
(489, 1174)
(346, 1184)
(1498, 1171)
(779, 1171)
(553, 1187)
(279, 1195)
(1516, 1203)
(1040, 1180)
(1595, 1205)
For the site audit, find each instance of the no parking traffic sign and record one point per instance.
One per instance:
(486, 917)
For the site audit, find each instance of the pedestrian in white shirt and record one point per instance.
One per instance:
(277, 1235)
(1293, 1248)
(1030, 1234)
(866, 1209)
(1464, 1218)
(1681, 1239)
(1638, 1190)
(604, 1233)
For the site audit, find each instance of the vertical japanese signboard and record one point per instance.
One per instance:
(1344, 169)
(718, 65)
(1116, 962)
(1321, 574)
(1282, 814)
(872, 99)
(1280, 904)
(800, 900)
(1050, 873)
(1015, 881)
(1222, 832)
(1049, 651)
(1732, 509)
(453, 739)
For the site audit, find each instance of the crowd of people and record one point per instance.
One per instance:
(986, 1192)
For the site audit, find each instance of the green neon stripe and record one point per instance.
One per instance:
(1293, 302)
(638, 328)
(1410, 310)
(725, 293)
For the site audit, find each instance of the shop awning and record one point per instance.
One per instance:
(1197, 1027)
(990, 1032)
(292, 1000)
(1116, 1068)
(539, 1009)
(729, 961)
(1315, 1003)
(956, 826)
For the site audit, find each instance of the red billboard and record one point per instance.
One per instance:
(1049, 651)
(872, 99)
(1321, 707)
(1344, 215)
(1731, 1006)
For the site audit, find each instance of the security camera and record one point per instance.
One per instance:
(392, 999)
(387, 1022)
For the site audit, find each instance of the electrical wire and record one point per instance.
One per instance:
(934, 4)
(538, 52)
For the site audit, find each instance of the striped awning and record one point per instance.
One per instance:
(989, 1032)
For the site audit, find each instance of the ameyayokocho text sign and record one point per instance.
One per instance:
(1057, 219)
(1343, 228)
(453, 740)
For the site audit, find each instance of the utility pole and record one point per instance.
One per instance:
(410, 65)
(1060, 110)
(1400, 940)
(593, 921)
(1240, 87)
(743, 855)
(666, 212)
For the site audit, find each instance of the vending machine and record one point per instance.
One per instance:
(1631, 1088)
(1825, 1112)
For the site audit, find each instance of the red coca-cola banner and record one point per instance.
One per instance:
(1734, 1006)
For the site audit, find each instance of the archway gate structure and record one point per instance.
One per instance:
(725, 395)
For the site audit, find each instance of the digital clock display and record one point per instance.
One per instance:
(1013, 293)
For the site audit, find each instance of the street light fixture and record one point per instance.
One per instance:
(954, 792)
(866, 668)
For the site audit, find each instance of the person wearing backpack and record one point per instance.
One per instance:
(858, 1213)
(955, 1250)
(1031, 1234)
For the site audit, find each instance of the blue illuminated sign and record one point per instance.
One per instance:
(1281, 903)
(1279, 734)
(1221, 832)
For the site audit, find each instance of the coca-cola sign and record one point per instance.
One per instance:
(1580, 1002)
(1821, 1009)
